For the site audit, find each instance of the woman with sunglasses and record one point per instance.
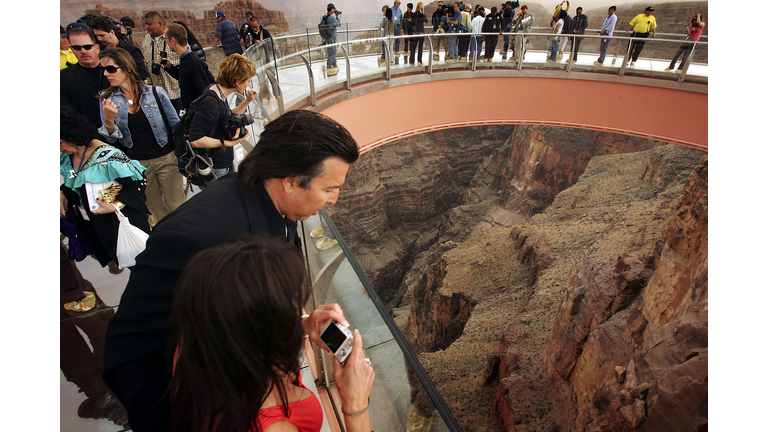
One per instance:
(135, 120)
(237, 334)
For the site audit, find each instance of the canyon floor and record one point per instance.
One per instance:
(480, 299)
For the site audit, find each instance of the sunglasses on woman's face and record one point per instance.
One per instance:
(112, 69)
(85, 47)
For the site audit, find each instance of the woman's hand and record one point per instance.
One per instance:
(314, 323)
(233, 143)
(110, 112)
(250, 94)
(104, 208)
(354, 379)
(62, 204)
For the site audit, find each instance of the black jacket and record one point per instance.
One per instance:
(193, 76)
(137, 364)
(78, 90)
(138, 57)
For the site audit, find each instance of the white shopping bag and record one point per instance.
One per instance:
(131, 241)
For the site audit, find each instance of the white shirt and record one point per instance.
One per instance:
(477, 24)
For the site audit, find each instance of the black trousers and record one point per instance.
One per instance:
(637, 45)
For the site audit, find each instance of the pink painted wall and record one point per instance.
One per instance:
(383, 116)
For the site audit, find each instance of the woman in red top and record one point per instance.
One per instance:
(238, 333)
(694, 33)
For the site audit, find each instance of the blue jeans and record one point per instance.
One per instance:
(603, 49)
(685, 50)
(453, 50)
(331, 62)
(397, 42)
(476, 44)
(553, 46)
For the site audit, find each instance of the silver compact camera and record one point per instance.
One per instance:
(338, 339)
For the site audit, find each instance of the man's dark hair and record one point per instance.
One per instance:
(509, 3)
(579, 8)
(104, 24)
(613, 7)
(75, 128)
(154, 15)
(127, 21)
(297, 142)
(87, 32)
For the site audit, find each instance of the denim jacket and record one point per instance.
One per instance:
(151, 110)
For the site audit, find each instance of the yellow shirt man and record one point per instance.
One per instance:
(643, 23)
(66, 56)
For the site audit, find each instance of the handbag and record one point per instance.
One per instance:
(131, 241)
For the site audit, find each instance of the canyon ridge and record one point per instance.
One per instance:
(549, 279)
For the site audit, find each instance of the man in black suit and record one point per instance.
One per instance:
(106, 32)
(79, 83)
(298, 167)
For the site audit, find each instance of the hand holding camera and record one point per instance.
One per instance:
(164, 58)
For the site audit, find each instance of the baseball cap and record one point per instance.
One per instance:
(220, 14)
(650, 8)
(77, 25)
(330, 6)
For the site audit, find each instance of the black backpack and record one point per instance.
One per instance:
(324, 29)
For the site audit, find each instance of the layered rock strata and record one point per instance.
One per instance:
(482, 286)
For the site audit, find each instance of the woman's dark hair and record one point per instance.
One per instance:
(297, 142)
(123, 58)
(388, 13)
(75, 128)
(127, 21)
(563, 14)
(191, 39)
(236, 324)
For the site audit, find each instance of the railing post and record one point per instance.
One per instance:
(278, 94)
(474, 57)
(312, 98)
(388, 58)
(349, 67)
(431, 48)
(308, 46)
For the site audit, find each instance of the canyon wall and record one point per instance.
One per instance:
(500, 250)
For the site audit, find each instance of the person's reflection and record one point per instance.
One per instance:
(79, 364)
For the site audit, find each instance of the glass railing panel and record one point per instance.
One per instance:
(339, 279)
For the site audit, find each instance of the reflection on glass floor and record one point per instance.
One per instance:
(336, 281)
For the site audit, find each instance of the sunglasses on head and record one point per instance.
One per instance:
(112, 69)
(85, 47)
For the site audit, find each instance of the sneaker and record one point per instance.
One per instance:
(669, 69)
(551, 61)
(514, 59)
(462, 58)
(504, 53)
(380, 61)
(332, 71)
(631, 63)
(559, 56)
(597, 63)
(436, 57)
(451, 60)
(421, 64)
(679, 71)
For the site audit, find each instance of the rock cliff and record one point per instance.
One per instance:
(474, 237)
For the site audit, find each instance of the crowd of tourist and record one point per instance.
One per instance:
(120, 103)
